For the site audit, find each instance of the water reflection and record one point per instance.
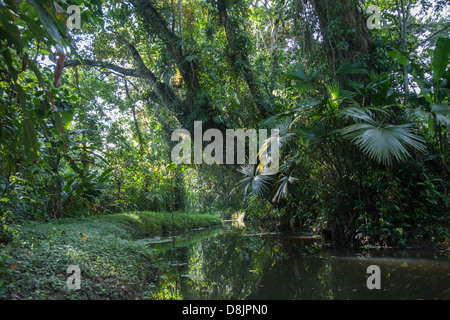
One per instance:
(237, 263)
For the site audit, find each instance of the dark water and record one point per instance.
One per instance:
(238, 263)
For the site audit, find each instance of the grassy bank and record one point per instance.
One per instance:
(113, 264)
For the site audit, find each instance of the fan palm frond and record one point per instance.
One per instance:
(384, 143)
(257, 184)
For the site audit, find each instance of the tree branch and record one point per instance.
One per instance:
(105, 65)
(173, 44)
(240, 55)
(163, 92)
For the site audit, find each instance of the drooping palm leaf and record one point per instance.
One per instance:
(348, 67)
(270, 148)
(440, 112)
(282, 190)
(357, 113)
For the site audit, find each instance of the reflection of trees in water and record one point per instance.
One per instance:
(227, 261)
(298, 274)
(237, 266)
(252, 267)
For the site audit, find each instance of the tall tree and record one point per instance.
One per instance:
(403, 11)
(344, 31)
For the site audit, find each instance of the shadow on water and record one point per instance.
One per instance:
(239, 263)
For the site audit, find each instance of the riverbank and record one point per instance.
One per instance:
(113, 264)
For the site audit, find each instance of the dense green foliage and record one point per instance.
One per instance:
(361, 162)
(114, 264)
(87, 114)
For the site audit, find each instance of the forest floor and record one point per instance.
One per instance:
(112, 264)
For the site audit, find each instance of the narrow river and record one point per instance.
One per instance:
(240, 263)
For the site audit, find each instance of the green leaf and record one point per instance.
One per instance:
(48, 25)
(347, 67)
(36, 71)
(440, 58)
(297, 74)
(11, 32)
(22, 96)
(395, 54)
(440, 112)
(29, 139)
(440, 108)
(67, 117)
(58, 122)
(38, 32)
(7, 58)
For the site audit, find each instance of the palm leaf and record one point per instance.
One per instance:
(439, 111)
(257, 184)
(48, 24)
(442, 113)
(283, 187)
(383, 144)
(333, 90)
(348, 67)
(302, 79)
(357, 113)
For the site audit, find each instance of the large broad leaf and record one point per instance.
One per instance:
(440, 58)
(384, 143)
(48, 24)
(400, 57)
(67, 117)
(303, 80)
(29, 139)
(348, 67)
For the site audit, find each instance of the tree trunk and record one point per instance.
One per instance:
(180, 17)
(274, 34)
(344, 31)
(238, 54)
(136, 124)
(403, 17)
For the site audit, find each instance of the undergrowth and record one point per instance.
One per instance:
(113, 264)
